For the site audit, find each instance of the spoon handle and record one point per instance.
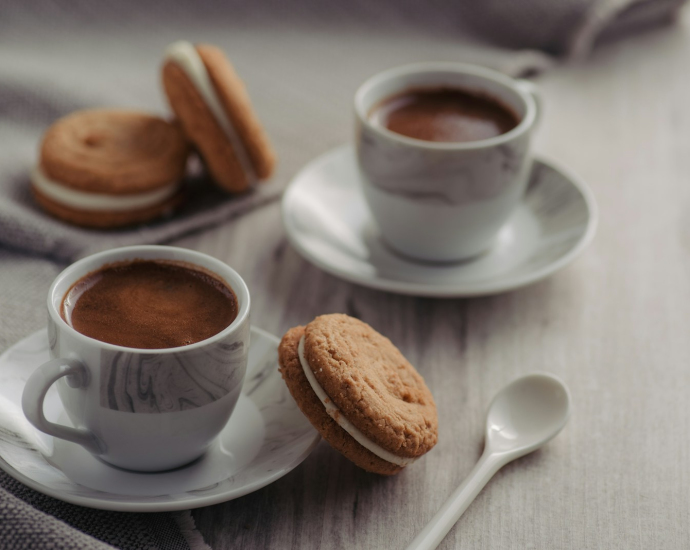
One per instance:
(434, 531)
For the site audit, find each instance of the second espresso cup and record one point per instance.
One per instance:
(141, 409)
(443, 201)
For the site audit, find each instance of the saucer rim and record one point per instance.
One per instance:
(496, 286)
(169, 506)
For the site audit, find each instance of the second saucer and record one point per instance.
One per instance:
(328, 222)
(267, 436)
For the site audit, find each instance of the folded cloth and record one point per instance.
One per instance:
(568, 27)
(25, 227)
(32, 520)
(27, 109)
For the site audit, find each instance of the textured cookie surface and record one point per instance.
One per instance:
(372, 384)
(113, 152)
(233, 95)
(204, 130)
(313, 409)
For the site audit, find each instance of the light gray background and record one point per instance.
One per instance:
(613, 325)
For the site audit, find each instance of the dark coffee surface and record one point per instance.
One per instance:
(149, 304)
(444, 114)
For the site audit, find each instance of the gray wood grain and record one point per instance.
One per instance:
(613, 326)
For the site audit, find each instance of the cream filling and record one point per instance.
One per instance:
(344, 423)
(99, 202)
(185, 56)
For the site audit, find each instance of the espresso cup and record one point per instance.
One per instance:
(141, 409)
(443, 201)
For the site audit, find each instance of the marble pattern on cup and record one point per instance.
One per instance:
(162, 383)
(442, 177)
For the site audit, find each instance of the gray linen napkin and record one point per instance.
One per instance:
(58, 55)
(569, 28)
(33, 520)
(27, 107)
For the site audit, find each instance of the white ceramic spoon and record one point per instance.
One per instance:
(522, 417)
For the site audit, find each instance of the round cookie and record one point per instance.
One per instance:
(109, 168)
(370, 385)
(212, 103)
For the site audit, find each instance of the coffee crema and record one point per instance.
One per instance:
(149, 304)
(444, 115)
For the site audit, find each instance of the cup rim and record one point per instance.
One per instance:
(525, 124)
(190, 256)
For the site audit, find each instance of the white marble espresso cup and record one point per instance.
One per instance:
(443, 201)
(141, 409)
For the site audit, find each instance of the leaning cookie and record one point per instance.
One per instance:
(211, 101)
(359, 392)
(109, 168)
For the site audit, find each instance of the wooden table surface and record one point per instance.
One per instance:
(614, 326)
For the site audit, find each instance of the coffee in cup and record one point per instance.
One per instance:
(444, 115)
(149, 304)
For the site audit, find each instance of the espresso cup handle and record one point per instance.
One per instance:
(532, 89)
(35, 392)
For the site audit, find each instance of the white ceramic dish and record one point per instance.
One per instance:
(328, 222)
(266, 437)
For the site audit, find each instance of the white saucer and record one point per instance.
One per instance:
(328, 222)
(266, 437)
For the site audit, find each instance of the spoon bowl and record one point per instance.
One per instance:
(526, 414)
(522, 417)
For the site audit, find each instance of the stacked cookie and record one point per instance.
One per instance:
(359, 392)
(109, 168)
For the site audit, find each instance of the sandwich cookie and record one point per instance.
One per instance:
(110, 168)
(212, 103)
(359, 392)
